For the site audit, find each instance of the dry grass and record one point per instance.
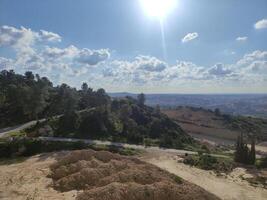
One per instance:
(105, 176)
(202, 122)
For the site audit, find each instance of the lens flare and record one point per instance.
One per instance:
(158, 8)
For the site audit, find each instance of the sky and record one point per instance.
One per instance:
(151, 46)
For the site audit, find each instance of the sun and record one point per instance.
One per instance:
(158, 8)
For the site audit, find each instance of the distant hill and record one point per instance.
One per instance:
(235, 104)
(214, 126)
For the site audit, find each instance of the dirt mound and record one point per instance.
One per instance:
(102, 175)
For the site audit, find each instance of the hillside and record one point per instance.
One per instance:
(123, 120)
(221, 128)
(83, 113)
(90, 175)
(234, 104)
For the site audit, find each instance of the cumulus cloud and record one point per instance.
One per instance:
(49, 36)
(261, 24)
(148, 63)
(189, 37)
(5, 63)
(142, 71)
(253, 63)
(33, 53)
(219, 70)
(92, 57)
(242, 39)
(58, 53)
(22, 39)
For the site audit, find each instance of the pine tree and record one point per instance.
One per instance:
(243, 154)
(252, 151)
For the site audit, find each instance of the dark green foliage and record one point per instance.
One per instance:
(247, 125)
(243, 154)
(22, 97)
(30, 97)
(124, 121)
(189, 160)
(95, 124)
(263, 162)
(31, 146)
(68, 123)
(217, 112)
(85, 113)
(141, 99)
(178, 179)
(209, 162)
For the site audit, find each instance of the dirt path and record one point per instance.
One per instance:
(230, 188)
(28, 180)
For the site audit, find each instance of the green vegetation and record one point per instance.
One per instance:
(262, 162)
(247, 125)
(30, 97)
(17, 148)
(209, 162)
(243, 154)
(84, 113)
(121, 121)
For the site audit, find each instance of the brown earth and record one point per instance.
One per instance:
(94, 176)
(233, 186)
(206, 126)
(201, 122)
(103, 175)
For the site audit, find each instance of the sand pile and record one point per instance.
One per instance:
(105, 176)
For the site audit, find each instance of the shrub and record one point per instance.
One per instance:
(207, 162)
(189, 160)
(263, 162)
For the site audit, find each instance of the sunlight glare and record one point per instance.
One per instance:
(158, 8)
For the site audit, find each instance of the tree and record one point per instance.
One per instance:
(157, 109)
(217, 112)
(252, 151)
(141, 99)
(243, 154)
(84, 87)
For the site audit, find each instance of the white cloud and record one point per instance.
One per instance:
(58, 53)
(219, 70)
(242, 39)
(148, 63)
(23, 39)
(5, 63)
(253, 63)
(189, 37)
(31, 53)
(20, 39)
(49, 36)
(261, 24)
(92, 57)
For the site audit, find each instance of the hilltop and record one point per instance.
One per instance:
(215, 126)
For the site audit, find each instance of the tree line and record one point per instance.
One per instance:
(29, 97)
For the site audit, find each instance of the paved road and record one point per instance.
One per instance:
(6, 130)
(125, 145)
(20, 127)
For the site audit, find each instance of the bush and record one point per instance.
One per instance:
(29, 147)
(189, 160)
(263, 162)
(207, 162)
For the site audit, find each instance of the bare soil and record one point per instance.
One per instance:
(90, 175)
(103, 175)
(228, 187)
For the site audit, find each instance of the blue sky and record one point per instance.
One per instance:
(211, 46)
